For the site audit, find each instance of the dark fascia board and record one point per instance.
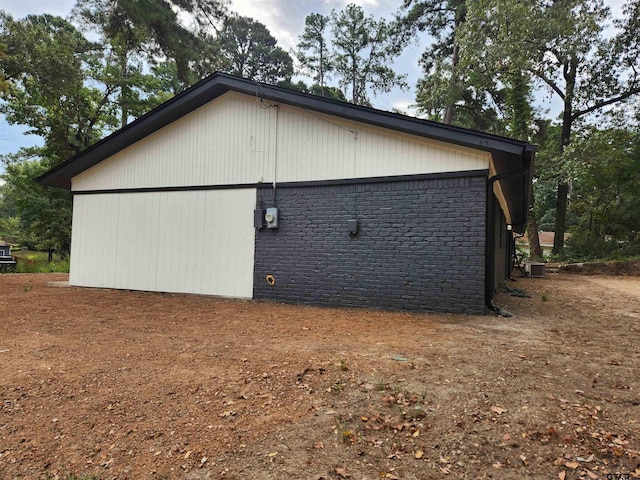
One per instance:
(219, 83)
(517, 189)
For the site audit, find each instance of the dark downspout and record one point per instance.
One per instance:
(491, 229)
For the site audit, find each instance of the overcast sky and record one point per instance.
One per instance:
(285, 20)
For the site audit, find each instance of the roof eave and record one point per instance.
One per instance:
(218, 84)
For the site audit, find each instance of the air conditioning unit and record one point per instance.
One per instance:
(534, 269)
(271, 217)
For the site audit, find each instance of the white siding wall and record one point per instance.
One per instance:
(236, 139)
(188, 241)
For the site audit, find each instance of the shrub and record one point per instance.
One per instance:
(586, 247)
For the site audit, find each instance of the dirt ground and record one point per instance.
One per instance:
(129, 385)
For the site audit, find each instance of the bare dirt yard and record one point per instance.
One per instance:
(111, 384)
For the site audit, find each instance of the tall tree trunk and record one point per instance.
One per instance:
(455, 60)
(124, 91)
(354, 98)
(535, 250)
(561, 218)
(565, 137)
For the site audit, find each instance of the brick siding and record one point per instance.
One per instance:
(420, 245)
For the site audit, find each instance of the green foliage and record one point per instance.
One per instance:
(313, 52)
(134, 39)
(151, 29)
(450, 92)
(44, 212)
(9, 220)
(606, 194)
(48, 84)
(562, 45)
(329, 92)
(363, 53)
(3, 57)
(249, 50)
(581, 248)
(356, 49)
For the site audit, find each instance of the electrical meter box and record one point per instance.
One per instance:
(271, 217)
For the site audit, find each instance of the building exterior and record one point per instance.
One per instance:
(241, 189)
(7, 263)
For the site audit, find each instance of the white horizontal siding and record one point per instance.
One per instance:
(237, 139)
(191, 242)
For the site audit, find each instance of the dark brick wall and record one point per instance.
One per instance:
(420, 245)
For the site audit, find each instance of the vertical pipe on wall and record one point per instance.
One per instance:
(275, 155)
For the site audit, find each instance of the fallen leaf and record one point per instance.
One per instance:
(319, 445)
(188, 454)
(591, 474)
(524, 459)
(496, 465)
(562, 475)
(416, 433)
(419, 454)
(497, 409)
(585, 460)
(272, 454)
(571, 465)
(446, 471)
(391, 476)
(342, 472)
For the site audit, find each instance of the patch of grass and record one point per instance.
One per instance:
(345, 433)
(60, 266)
(545, 296)
(31, 255)
(338, 386)
(342, 365)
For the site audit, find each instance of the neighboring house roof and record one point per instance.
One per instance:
(546, 239)
(508, 155)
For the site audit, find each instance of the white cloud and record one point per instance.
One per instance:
(284, 19)
(22, 8)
